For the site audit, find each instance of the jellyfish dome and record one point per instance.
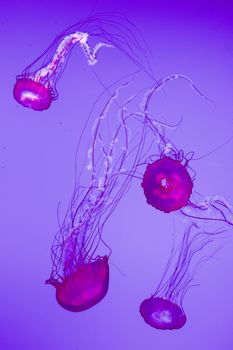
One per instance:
(32, 94)
(162, 313)
(167, 184)
(86, 287)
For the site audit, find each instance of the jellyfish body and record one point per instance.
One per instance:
(161, 313)
(166, 182)
(167, 185)
(85, 287)
(36, 87)
(32, 94)
(164, 309)
(80, 273)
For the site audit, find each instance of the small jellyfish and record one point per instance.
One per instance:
(167, 184)
(161, 313)
(164, 309)
(80, 269)
(36, 87)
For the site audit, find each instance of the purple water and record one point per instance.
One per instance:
(37, 170)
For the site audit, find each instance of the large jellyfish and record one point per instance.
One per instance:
(164, 308)
(80, 272)
(36, 87)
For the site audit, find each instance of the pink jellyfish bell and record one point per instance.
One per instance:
(85, 287)
(167, 184)
(32, 94)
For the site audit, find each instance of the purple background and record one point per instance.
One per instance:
(37, 168)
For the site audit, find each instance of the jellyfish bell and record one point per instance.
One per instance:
(161, 313)
(85, 287)
(167, 184)
(32, 94)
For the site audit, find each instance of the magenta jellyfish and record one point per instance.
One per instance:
(164, 309)
(167, 184)
(85, 287)
(36, 87)
(168, 180)
(80, 255)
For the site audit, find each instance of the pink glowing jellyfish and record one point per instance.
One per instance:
(36, 87)
(168, 179)
(164, 309)
(80, 273)
(167, 184)
(168, 187)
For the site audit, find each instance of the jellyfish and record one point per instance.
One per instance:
(79, 253)
(162, 313)
(36, 87)
(85, 287)
(167, 184)
(168, 177)
(167, 181)
(163, 310)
